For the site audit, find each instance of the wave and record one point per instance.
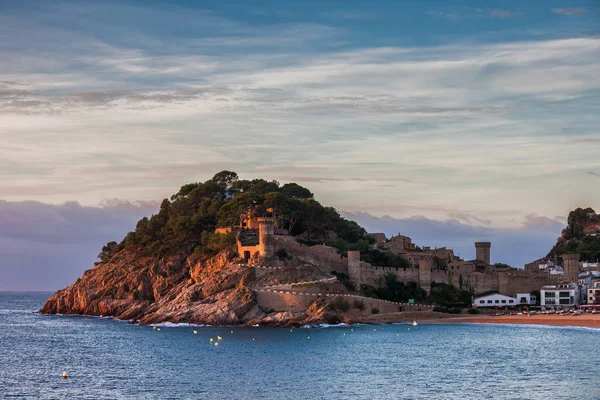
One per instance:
(341, 324)
(178, 325)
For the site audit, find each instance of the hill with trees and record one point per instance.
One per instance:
(581, 235)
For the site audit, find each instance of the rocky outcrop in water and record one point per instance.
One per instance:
(216, 291)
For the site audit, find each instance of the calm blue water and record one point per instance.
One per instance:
(109, 359)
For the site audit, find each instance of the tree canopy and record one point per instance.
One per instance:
(187, 221)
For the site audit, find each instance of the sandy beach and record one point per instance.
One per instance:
(587, 320)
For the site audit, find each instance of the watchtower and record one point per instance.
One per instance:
(266, 230)
(482, 251)
(571, 267)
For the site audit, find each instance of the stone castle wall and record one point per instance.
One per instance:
(324, 256)
(284, 300)
(511, 283)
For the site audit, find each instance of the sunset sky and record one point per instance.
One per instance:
(449, 121)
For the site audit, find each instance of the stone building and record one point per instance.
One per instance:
(258, 242)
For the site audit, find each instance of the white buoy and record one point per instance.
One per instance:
(65, 375)
(195, 332)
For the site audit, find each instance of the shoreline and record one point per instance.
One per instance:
(585, 320)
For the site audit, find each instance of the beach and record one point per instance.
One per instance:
(586, 320)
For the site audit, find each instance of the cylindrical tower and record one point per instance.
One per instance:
(571, 267)
(266, 230)
(354, 267)
(482, 251)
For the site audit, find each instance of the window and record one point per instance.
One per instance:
(550, 294)
(496, 301)
(489, 302)
(511, 301)
(481, 301)
(564, 301)
(564, 294)
(503, 301)
(550, 301)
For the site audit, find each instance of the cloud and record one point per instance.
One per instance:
(505, 14)
(47, 246)
(514, 246)
(570, 11)
(417, 127)
(535, 222)
(594, 173)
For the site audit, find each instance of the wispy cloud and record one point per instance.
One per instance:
(372, 125)
(594, 173)
(570, 11)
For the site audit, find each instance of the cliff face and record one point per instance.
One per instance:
(179, 290)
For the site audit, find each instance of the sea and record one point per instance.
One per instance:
(110, 359)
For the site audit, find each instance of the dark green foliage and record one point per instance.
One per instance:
(449, 296)
(108, 250)
(578, 219)
(187, 221)
(574, 240)
(344, 280)
(340, 304)
(502, 265)
(473, 311)
(393, 290)
(374, 310)
(359, 305)
(296, 191)
(282, 254)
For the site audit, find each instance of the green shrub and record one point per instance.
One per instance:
(282, 253)
(358, 304)
(340, 304)
(473, 311)
(374, 310)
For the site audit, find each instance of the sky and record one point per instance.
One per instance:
(448, 121)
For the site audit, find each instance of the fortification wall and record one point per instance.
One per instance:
(479, 281)
(324, 256)
(284, 300)
(523, 282)
(372, 275)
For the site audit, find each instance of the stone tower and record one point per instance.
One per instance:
(425, 264)
(266, 230)
(354, 267)
(571, 267)
(482, 251)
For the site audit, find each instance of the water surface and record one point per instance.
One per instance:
(109, 359)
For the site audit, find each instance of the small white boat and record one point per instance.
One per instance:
(415, 323)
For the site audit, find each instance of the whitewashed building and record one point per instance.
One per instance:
(494, 300)
(563, 295)
(593, 294)
(526, 298)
